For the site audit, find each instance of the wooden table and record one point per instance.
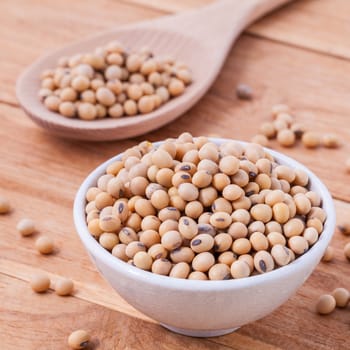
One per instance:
(299, 55)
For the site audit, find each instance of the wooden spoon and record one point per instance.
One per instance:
(200, 38)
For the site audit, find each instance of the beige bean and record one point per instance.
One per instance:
(202, 243)
(263, 261)
(220, 220)
(219, 272)
(182, 254)
(280, 212)
(341, 296)
(280, 254)
(171, 240)
(325, 304)
(222, 242)
(241, 246)
(258, 241)
(239, 269)
(261, 212)
(238, 230)
(298, 244)
(328, 254)
(293, 227)
(143, 260)
(227, 258)
(161, 266)
(188, 227)
(197, 275)
(180, 270)
(203, 261)
(40, 283)
(275, 238)
(64, 287)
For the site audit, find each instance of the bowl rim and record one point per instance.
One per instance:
(208, 285)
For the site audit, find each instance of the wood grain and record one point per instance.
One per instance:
(95, 291)
(300, 23)
(46, 320)
(40, 173)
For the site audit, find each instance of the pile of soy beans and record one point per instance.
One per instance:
(190, 208)
(112, 82)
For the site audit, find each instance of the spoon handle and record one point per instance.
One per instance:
(218, 24)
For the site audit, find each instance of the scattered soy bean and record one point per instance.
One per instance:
(26, 227)
(40, 283)
(311, 139)
(344, 228)
(325, 304)
(330, 141)
(328, 254)
(44, 245)
(298, 130)
(4, 205)
(79, 339)
(341, 296)
(286, 138)
(267, 129)
(64, 287)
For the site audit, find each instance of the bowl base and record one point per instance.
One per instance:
(200, 333)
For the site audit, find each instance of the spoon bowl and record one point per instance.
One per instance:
(162, 43)
(200, 38)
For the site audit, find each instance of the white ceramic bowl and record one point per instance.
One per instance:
(205, 308)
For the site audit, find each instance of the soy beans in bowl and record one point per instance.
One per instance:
(222, 210)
